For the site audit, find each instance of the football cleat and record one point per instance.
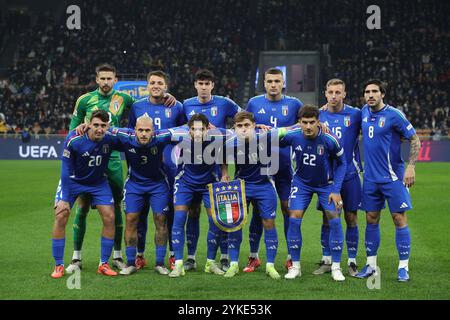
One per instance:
(272, 272)
(74, 266)
(211, 267)
(172, 262)
(58, 272)
(323, 268)
(177, 271)
(352, 269)
(337, 275)
(119, 264)
(403, 275)
(190, 264)
(252, 264)
(224, 264)
(366, 272)
(288, 264)
(293, 273)
(128, 270)
(162, 270)
(140, 262)
(106, 270)
(232, 271)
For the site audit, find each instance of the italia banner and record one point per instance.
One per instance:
(228, 205)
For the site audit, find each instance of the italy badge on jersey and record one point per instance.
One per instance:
(168, 112)
(381, 122)
(214, 111)
(347, 121)
(320, 149)
(284, 110)
(228, 205)
(105, 148)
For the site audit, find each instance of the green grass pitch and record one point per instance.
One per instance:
(26, 198)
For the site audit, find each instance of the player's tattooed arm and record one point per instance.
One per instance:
(410, 174)
(169, 100)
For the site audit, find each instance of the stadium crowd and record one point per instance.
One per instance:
(54, 65)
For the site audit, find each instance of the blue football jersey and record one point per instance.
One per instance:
(217, 110)
(251, 158)
(346, 126)
(163, 117)
(145, 162)
(382, 132)
(194, 167)
(320, 161)
(277, 114)
(85, 161)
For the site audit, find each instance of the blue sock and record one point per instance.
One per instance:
(286, 227)
(130, 252)
(372, 239)
(223, 242)
(325, 240)
(271, 241)
(192, 234)
(106, 249)
(403, 242)
(58, 250)
(160, 254)
(352, 239)
(179, 221)
(294, 238)
(213, 239)
(142, 231)
(255, 232)
(169, 226)
(234, 245)
(336, 239)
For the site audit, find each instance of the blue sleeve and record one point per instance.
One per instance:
(250, 105)
(286, 140)
(232, 108)
(67, 166)
(164, 136)
(181, 119)
(402, 125)
(337, 153)
(120, 137)
(132, 117)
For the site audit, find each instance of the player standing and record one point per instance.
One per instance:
(276, 110)
(217, 109)
(163, 117)
(385, 177)
(321, 169)
(84, 163)
(345, 123)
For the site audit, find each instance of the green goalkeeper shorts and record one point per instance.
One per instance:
(115, 178)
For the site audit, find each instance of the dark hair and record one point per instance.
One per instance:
(105, 67)
(309, 111)
(381, 84)
(101, 114)
(244, 115)
(204, 74)
(198, 117)
(159, 73)
(272, 71)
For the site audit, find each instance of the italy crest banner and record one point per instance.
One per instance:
(228, 205)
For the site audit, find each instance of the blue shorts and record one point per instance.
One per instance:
(263, 196)
(283, 181)
(395, 192)
(350, 193)
(100, 194)
(301, 195)
(185, 194)
(137, 196)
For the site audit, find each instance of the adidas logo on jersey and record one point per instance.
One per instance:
(132, 150)
(403, 206)
(365, 119)
(192, 113)
(262, 111)
(86, 154)
(299, 148)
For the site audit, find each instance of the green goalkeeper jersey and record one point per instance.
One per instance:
(115, 104)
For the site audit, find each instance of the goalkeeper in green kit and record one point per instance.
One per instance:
(115, 103)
